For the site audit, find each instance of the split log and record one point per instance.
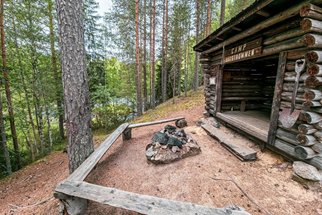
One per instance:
(286, 136)
(311, 11)
(304, 152)
(315, 70)
(212, 107)
(318, 125)
(306, 129)
(207, 108)
(316, 109)
(317, 147)
(306, 140)
(293, 33)
(290, 66)
(297, 99)
(314, 57)
(290, 76)
(313, 81)
(289, 87)
(311, 24)
(298, 54)
(284, 45)
(293, 129)
(313, 94)
(291, 94)
(313, 40)
(310, 117)
(312, 104)
(284, 15)
(285, 104)
(318, 135)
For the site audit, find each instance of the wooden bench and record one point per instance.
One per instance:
(74, 192)
(127, 134)
(243, 100)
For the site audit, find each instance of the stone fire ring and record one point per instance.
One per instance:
(171, 144)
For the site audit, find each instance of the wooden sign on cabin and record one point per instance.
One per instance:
(245, 51)
(212, 81)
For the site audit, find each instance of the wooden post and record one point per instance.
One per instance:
(277, 99)
(71, 205)
(219, 88)
(243, 106)
(127, 134)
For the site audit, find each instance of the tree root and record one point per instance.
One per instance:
(244, 191)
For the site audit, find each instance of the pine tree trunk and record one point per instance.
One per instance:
(208, 18)
(28, 132)
(144, 65)
(48, 121)
(174, 80)
(162, 54)
(55, 71)
(196, 85)
(185, 67)
(7, 87)
(25, 90)
(153, 60)
(4, 139)
(222, 12)
(151, 42)
(75, 82)
(166, 50)
(179, 68)
(244, 4)
(138, 72)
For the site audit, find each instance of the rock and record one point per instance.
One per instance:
(157, 146)
(174, 142)
(148, 146)
(165, 147)
(307, 171)
(181, 123)
(162, 138)
(150, 152)
(166, 157)
(170, 129)
(307, 184)
(180, 133)
(175, 149)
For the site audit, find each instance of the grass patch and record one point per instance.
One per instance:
(192, 100)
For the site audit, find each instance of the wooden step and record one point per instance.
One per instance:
(234, 144)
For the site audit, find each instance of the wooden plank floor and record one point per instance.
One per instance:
(253, 122)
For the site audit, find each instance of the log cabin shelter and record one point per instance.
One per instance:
(263, 76)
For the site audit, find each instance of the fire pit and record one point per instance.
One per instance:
(171, 144)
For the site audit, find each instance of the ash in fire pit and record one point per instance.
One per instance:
(171, 144)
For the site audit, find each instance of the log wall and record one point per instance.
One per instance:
(300, 35)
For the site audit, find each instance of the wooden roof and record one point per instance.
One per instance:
(253, 15)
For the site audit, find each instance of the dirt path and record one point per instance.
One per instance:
(125, 167)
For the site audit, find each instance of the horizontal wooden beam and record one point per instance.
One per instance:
(154, 122)
(291, 12)
(137, 202)
(86, 167)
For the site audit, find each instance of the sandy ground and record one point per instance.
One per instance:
(267, 180)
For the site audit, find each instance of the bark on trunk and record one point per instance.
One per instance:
(75, 81)
(138, 73)
(162, 54)
(4, 140)
(208, 18)
(196, 85)
(222, 12)
(153, 60)
(166, 50)
(55, 70)
(7, 87)
(145, 90)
